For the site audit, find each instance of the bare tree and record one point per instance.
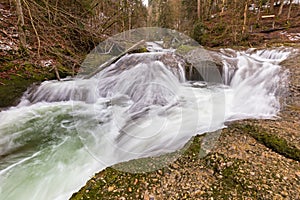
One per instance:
(199, 9)
(259, 10)
(290, 8)
(245, 16)
(223, 5)
(281, 7)
(271, 6)
(21, 23)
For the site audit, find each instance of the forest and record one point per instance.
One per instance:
(52, 37)
(67, 29)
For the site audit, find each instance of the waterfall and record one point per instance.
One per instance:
(63, 132)
(255, 77)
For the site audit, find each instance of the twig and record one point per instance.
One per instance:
(35, 31)
(6, 34)
(48, 10)
(73, 70)
(56, 73)
(55, 13)
(19, 75)
(64, 56)
(272, 30)
(57, 10)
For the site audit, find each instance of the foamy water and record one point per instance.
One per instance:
(64, 132)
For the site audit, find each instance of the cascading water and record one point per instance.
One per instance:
(63, 132)
(256, 77)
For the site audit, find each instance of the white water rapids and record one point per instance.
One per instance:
(63, 132)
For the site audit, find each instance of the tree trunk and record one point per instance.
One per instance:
(281, 7)
(272, 6)
(20, 23)
(290, 8)
(223, 6)
(259, 11)
(245, 16)
(199, 9)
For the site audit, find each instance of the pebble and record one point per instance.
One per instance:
(146, 195)
(220, 176)
(151, 197)
(284, 193)
(155, 180)
(175, 166)
(198, 192)
(111, 188)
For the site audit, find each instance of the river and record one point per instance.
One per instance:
(62, 133)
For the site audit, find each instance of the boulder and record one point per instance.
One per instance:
(204, 65)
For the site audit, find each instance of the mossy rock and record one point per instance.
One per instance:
(185, 49)
(274, 142)
(18, 77)
(116, 182)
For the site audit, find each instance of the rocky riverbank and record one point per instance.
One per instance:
(252, 159)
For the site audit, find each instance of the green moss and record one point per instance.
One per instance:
(140, 50)
(6, 66)
(184, 49)
(6, 59)
(193, 148)
(112, 184)
(93, 61)
(200, 32)
(16, 78)
(230, 181)
(274, 142)
(12, 90)
(115, 182)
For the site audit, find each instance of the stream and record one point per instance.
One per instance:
(62, 133)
